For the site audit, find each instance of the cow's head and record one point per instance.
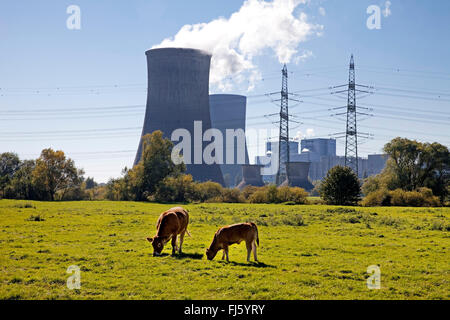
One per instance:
(211, 253)
(157, 243)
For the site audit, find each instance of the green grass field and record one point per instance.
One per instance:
(306, 252)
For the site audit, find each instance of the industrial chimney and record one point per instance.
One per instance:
(228, 113)
(251, 176)
(178, 95)
(297, 175)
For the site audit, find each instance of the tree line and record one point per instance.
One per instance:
(416, 174)
(50, 177)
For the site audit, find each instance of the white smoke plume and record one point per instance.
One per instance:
(234, 42)
(310, 133)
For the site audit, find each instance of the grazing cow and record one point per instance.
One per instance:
(170, 223)
(235, 233)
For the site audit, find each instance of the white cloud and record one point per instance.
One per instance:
(322, 11)
(234, 42)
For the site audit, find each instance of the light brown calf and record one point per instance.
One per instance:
(232, 234)
(171, 223)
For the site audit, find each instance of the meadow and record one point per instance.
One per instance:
(306, 252)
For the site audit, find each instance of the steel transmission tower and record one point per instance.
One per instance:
(283, 141)
(351, 134)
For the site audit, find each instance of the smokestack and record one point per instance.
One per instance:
(228, 113)
(178, 95)
(251, 176)
(297, 175)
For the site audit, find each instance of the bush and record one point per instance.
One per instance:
(248, 191)
(430, 200)
(377, 198)
(232, 196)
(340, 187)
(206, 190)
(421, 198)
(292, 194)
(259, 196)
(272, 194)
(283, 194)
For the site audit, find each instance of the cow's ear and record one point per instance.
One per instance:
(150, 239)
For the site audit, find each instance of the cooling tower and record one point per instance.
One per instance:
(228, 113)
(178, 95)
(297, 173)
(251, 176)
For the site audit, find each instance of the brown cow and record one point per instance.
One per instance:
(170, 223)
(235, 233)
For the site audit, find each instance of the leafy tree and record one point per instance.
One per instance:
(55, 173)
(435, 169)
(175, 189)
(340, 187)
(413, 165)
(21, 184)
(90, 183)
(114, 190)
(404, 157)
(156, 164)
(9, 164)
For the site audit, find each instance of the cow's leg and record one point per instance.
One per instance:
(249, 250)
(226, 252)
(223, 255)
(174, 244)
(254, 251)
(181, 240)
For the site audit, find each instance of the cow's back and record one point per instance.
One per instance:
(235, 233)
(172, 221)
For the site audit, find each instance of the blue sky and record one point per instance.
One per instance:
(56, 83)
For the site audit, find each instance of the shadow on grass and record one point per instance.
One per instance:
(251, 264)
(162, 255)
(196, 256)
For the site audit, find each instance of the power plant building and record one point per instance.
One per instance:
(251, 176)
(321, 156)
(178, 96)
(228, 113)
(297, 175)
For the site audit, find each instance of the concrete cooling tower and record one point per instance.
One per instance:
(297, 175)
(178, 95)
(228, 112)
(251, 176)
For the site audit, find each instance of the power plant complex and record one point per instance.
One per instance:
(178, 96)
(179, 105)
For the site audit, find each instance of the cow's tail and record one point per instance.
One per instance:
(257, 235)
(189, 234)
